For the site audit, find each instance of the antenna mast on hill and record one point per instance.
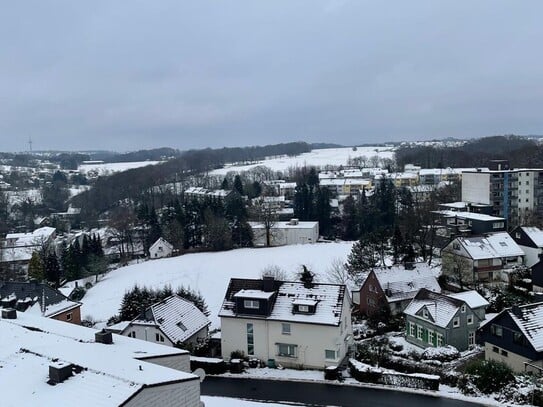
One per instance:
(30, 143)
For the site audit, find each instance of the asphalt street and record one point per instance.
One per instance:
(320, 394)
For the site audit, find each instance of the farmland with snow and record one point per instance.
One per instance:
(321, 157)
(110, 168)
(208, 273)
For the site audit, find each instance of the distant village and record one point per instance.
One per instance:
(443, 285)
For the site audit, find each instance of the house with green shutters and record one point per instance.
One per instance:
(434, 319)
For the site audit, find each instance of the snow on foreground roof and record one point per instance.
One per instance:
(535, 234)
(403, 284)
(530, 322)
(208, 273)
(472, 298)
(109, 375)
(494, 245)
(329, 300)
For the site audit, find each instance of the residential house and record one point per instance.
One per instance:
(530, 240)
(39, 298)
(394, 287)
(515, 337)
(292, 323)
(171, 322)
(285, 233)
(487, 259)
(435, 319)
(57, 364)
(18, 248)
(200, 193)
(160, 249)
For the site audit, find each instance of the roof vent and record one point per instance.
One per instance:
(515, 309)
(9, 313)
(103, 337)
(294, 221)
(58, 372)
(268, 284)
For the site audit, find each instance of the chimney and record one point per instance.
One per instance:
(9, 313)
(515, 309)
(104, 337)
(268, 284)
(58, 372)
(294, 221)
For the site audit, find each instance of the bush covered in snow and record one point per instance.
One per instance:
(488, 376)
(442, 354)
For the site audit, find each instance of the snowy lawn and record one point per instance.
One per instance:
(321, 157)
(110, 168)
(208, 273)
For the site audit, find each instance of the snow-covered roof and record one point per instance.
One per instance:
(178, 318)
(535, 234)
(495, 245)
(286, 225)
(329, 299)
(161, 241)
(109, 374)
(31, 239)
(530, 321)
(470, 215)
(400, 284)
(472, 298)
(215, 193)
(441, 308)
(256, 294)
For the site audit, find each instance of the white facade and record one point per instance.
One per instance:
(312, 346)
(526, 182)
(286, 233)
(160, 249)
(476, 187)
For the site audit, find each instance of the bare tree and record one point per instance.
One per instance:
(458, 268)
(274, 271)
(337, 272)
(121, 223)
(266, 214)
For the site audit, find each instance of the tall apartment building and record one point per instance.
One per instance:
(513, 193)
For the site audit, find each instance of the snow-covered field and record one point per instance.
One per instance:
(208, 273)
(110, 168)
(322, 157)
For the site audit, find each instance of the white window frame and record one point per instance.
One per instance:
(250, 304)
(463, 308)
(425, 313)
(471, 338)
(303, 308)
(439, 340)
(69, 316)
(285, 329)
(327, 356)
(420, 332)
(470, 319)
(412, 329)
(456, 322)
(291, 350)
(431, 337)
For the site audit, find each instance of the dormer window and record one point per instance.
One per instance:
(425, 313)
(251, 304)
(303, 308)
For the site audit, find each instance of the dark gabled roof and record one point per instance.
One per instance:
(31, 293)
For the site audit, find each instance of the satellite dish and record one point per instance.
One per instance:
(200, 373)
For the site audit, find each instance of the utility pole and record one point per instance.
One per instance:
(30, 144)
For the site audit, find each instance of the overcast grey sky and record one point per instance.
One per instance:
(132, 74)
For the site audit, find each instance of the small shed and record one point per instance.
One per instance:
(160, 249)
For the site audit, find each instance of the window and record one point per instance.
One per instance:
(330, 354)
(285, 329)
(504, 353)
(284, 349)
(463, 308)
(371, 302)
(456, 246)
(303, 308)
(425, 313)
(519, 338)
(470, 319)
(439, 341)
(431, 337)
(250, 340)
(69, 316)
(456, 322)
(471, 338)
(517, 235)
(252, 304)
(371, 288)
(495, 349)
(496, 330)
(181, 326)
(412, 329)
(159, 338)
(132, 334)
(419, 332)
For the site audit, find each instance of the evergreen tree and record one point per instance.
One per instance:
(72, 271)
(363, 257)
(224, 184)
(35, 267)
(306, 277)
(323, 210)
(349, 229)
(238, 185)
(52, 269)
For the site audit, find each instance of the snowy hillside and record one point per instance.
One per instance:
(323, 157)
(208, 273)
(110, 168)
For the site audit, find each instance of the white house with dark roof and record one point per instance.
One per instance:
(488, 259)
(395, 286)
(160, 249)
(433, 319)
(285, 233)
(295, 324)
(515, 337)
(47, 362)
(530, 240)
(171, 321)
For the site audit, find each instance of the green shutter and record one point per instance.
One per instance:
(425, 335)
(407, 328)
